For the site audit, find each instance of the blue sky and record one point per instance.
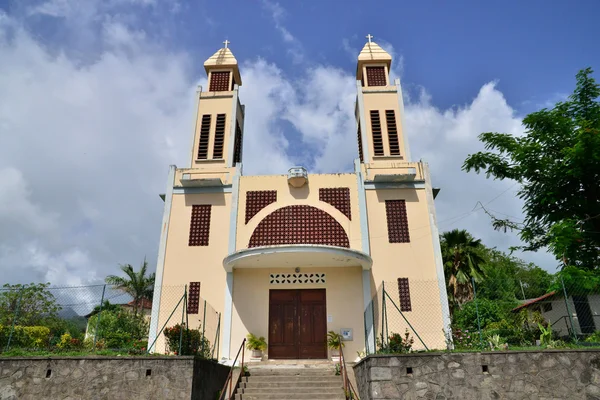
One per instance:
(96, 100)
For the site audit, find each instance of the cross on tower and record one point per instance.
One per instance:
(226, 42)
(369, 36)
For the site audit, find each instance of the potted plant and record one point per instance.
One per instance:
(256, 344)
(334, 342)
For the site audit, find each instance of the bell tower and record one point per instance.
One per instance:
(219, 123)
(379, 108)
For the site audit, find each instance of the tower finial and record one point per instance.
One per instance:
(226, 43)
(369, 36)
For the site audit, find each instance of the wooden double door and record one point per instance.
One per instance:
(297, 324)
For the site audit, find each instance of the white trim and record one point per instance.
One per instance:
(394, 185)
(362, 121)
(233, 120)
(198, 94)
(401, 107)
(201, 189)
(437, 252)
(227, 316)
(160, 263)
(368, 313)
(355, 257)
(366, 248)
(228, 308)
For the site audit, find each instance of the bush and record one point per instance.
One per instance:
(192, 342)
(69, 343)
(396, 344)
(594, 337)
(119, 329)
(25, 337)
(466, 317)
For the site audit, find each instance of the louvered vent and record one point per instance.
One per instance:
(237, 149)
(376, 130)
(392, 130)
(219, 81)
(219, 136)
(204, 136)
(360, 149)
(397, 221)
(376, 76)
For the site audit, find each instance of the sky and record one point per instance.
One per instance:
(97, 98)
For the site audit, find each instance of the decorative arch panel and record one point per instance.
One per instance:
(299, 224)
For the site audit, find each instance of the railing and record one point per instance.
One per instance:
(349, 391)
(229, 379)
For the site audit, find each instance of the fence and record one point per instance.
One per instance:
(486, 314)
(103, 318)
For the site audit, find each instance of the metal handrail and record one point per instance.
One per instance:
(348, 388)
(230, 376)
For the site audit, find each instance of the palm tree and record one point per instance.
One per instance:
(136, 284)
(462, 258)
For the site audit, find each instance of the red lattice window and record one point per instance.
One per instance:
(404, 292)
(299, 224)
(360, 149)
(376, 131)
(397, 221)
(337, 197)
(257, 200)
(237, 145)
(392, 130)
(193, 300)
(376, 76)
(204, 136)
(219, 81)
(200, 225)
(219, 136)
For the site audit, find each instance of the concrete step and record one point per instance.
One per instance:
(292, 371)
(290, 396)
(293, 389)
(316, 379)
(337, 383)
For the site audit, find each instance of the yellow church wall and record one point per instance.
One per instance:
(344, 303)
(204, 264)
(382, 98)
(414, 260)
(306, 195)
(212, 103)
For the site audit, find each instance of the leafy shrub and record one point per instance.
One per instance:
(67, 342)
(192, 342)
(119, 329)
(465, 339)
(396, 344)
(25, 337)
(256, 343)
(466, 317)
(594, 337)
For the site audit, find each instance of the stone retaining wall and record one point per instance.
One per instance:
(558, 374)
(114, 378)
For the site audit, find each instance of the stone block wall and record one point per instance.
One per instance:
(114, 378)
(558, 374)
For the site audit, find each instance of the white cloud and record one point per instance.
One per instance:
(85, 147)
(278, 14)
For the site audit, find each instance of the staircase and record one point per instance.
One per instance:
(315, 381)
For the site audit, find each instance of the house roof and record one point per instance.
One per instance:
(145, 303)
(533, 301)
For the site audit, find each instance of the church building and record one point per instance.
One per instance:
(291, 257)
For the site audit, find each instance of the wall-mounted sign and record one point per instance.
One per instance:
(346, 333)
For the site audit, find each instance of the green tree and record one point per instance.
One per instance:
(461, 255)
(557, 164)
(34, 303)
(136, 284)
